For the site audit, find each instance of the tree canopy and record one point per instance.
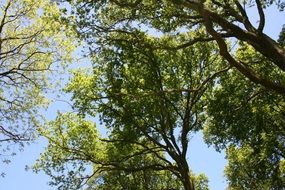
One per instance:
(253, 136)
(33, 46)
(210, 21)
(150, 100)
(77, 157)
(162, 71)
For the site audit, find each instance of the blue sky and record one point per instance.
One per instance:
(201, 158)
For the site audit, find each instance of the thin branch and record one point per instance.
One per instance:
(245, 19)
(261, 16)
(12, 136)
(192, 42)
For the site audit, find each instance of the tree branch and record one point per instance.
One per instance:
(241, 67)
(261, 16)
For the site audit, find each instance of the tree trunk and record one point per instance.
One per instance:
(187, 182)
(185, 173)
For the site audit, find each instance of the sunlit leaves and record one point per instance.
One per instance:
(73, 146)
(157, 77)
(248, 121)
(34, 47)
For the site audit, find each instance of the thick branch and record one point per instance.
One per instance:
(241, 67)
(261, 42)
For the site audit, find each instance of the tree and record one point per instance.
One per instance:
(254, 135)
(32, 46)
(207, 20)
(157, 76)
(75, 147)
(150, 100)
